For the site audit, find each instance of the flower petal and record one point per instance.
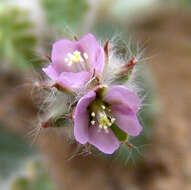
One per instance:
(95, 53)
(126, 120)
(50, 72)
(105, 142)
(81, 118)
(59, 53)
(121, 95)
(73, 81)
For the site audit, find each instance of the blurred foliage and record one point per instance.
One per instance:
(186, 2)
(37, 179)
(13, 150)
(63, 13)
(17, 43)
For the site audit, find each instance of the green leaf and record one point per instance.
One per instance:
(121, 135)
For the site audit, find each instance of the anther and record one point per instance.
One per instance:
(93, 122)
(112, 119)
(105, 127)
(100, 126)
(85, 55)
(109, 124)
(103, 107)
(93, 114)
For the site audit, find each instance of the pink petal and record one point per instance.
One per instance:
(105, 142)
(95, 52)
(59, 53)
(73, 81)
(81, 118)
(51, 72)
(126, 120)
(121, 95)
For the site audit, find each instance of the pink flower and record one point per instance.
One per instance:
(106, 119)
(73, 63)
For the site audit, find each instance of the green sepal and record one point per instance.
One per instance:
(60, 122)
(100, 92)
(120, 135)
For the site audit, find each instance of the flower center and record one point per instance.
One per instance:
(75, 57)
(100, 116)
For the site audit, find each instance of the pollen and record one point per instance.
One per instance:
(104, 121)
(112, 120)
(93, 114)
(103, 107)
(93, 122)
(75, 57)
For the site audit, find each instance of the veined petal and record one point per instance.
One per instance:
(126, 120)
(94, 51)
(72, 80)
(81, 118)
(105, 142)
(121, 95)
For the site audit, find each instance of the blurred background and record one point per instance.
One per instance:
(162, 157)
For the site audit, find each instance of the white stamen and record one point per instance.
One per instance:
(92, 122)
(109, 124)
(85, 55)
(103, 107)
(112, 120)
(106, 131)
(70, 64)
(100, 126)
(105, 127)
(74, 57)
(93, 114)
